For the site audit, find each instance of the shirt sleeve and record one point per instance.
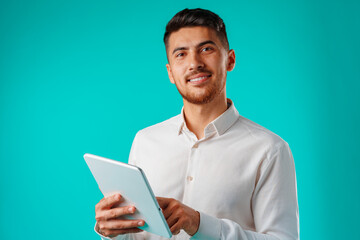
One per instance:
(274, 205)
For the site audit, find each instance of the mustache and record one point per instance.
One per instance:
(187, 76)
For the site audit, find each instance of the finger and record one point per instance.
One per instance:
(166, 213)
(173, 208)
(172, 220)
(176, 228)
(108, 202)
(120, 224)
(163, 202)
(114, 213)
(114, 233)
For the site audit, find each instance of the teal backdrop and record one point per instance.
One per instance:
(84, 76)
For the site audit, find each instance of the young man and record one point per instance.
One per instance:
(218, 175)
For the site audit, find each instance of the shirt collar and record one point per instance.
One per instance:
(221, 124)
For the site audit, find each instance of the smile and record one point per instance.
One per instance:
(199, 79)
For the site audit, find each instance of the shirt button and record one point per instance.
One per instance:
(190, 178)
(195, 145)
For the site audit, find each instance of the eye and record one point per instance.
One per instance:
(179, 55)
(206, 49)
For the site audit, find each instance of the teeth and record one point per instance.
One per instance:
(198, 79)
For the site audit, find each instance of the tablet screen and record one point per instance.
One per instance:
(130, 181)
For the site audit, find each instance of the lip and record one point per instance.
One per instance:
(204, 77)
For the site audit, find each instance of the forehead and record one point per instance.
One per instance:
(191, 36)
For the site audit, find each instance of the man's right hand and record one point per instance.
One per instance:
(106, 216)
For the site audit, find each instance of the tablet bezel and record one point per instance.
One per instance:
(105, 170)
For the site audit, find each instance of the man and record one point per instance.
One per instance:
(218, 175)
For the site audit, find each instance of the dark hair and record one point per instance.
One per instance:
(197, 17)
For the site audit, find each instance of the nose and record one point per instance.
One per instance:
(195, 61)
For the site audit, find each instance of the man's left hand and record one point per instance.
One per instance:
(179, 216)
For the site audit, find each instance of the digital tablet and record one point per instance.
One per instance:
(130, 181)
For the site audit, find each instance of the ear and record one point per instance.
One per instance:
(231, 60)
(168, 68)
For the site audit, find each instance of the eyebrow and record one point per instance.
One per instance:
(199, 45)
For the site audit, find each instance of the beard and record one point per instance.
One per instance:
(210, 92)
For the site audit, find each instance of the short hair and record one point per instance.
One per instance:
(197, 17)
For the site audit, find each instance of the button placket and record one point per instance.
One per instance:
(189, 177)
(192, 161)
(190, 172)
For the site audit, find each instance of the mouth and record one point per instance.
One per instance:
(199, 79)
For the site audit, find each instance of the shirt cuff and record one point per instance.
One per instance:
(209, 228)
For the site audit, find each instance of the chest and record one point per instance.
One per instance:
(217, 176)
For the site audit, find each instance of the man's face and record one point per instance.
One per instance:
(198, 63)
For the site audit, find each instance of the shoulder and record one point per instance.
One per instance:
(267, 145)
(160, 130)
(260, 135)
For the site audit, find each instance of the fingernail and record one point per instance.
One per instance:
(140, 223)
(131, 209)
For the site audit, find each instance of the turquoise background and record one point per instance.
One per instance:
(85, 76)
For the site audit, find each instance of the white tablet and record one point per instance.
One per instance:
(130, 181)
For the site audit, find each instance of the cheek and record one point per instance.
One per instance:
(217, 62)
(221, 71)
(178, 71)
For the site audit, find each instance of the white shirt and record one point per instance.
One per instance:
(240, 177)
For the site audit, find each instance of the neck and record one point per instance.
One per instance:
(198, 116)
